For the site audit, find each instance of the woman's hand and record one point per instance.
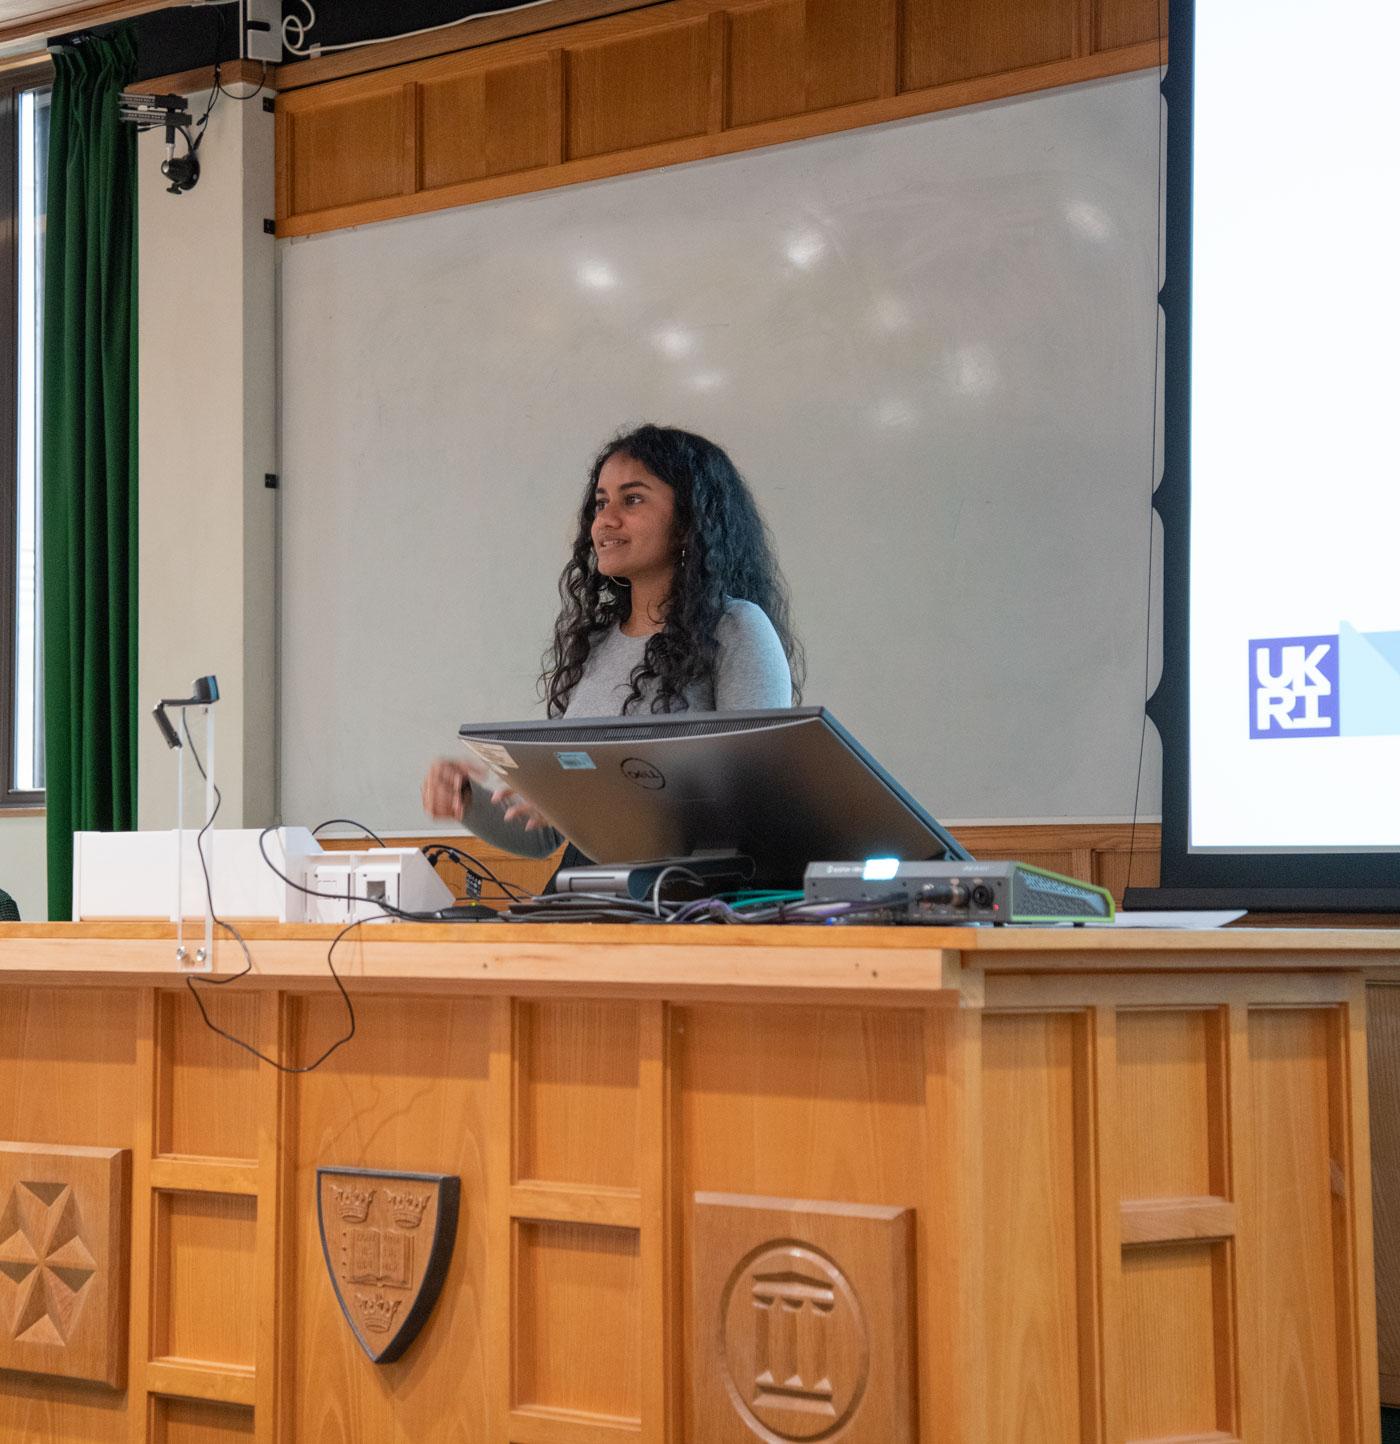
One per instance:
(518, 807)
(447, 786)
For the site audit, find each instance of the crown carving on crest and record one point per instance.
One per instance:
(406, 1209)
(353, 1203)
(377, 1311)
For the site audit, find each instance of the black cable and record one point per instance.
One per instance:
(242, 943)
(349, 822)
(508, 888)
(1152, 460)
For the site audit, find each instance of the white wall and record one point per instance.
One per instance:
(929, 345)
(207, 439)
(23, 865)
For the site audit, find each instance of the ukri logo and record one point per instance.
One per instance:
(1293, 687)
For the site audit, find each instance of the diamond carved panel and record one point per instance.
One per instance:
(803, 1321)
(63, 1266)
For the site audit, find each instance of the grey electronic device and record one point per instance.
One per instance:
(967, 892)
(776, 787)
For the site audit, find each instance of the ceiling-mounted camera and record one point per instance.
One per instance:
(152, 112)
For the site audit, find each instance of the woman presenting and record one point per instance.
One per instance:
(672, 602)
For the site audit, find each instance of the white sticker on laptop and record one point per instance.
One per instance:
(576, 762)
(493, 754)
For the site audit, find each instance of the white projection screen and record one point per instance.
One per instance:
(1283, 594)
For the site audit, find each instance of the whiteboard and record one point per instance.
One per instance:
(928, 345)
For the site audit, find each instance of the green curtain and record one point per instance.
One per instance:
(89, 456)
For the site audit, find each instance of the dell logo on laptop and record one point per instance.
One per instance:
(643, 774)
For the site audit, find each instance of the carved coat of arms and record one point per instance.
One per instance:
(387, 1240)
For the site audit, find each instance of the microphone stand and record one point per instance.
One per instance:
(206, 693)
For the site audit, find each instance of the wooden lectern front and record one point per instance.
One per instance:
(585, 1185)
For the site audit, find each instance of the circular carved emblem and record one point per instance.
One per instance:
(794, 1342)
(634, 769)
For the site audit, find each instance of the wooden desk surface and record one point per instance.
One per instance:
(906, 964)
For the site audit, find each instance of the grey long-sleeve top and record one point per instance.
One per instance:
(751, 671)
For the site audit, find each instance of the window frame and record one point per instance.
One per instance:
(15, 80)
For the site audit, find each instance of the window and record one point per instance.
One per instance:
(24, 133)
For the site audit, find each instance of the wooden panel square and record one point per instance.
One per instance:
(1176, 1344)
(348, 150)
(792, 56)
(577, 1335)
(1294, 1390)
(191, 1421)
(639, 90)
(577, 1066)
(947, 40)
(487, 121)
(1029, 1195)
(63, 1262)
(802, 1321)
(68, 1065)
(1126, 22)
(195, 1065)
(1170, 1108)
(207, 1309)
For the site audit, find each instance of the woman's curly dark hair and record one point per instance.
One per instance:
(725, 552)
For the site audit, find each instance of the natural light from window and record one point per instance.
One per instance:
(28, 761)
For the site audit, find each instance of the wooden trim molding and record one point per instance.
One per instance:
(660, 85)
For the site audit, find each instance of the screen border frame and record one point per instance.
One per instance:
(1168, 708)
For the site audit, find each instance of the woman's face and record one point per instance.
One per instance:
(633, 520)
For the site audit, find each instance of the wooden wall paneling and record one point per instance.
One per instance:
(72, 1071)
(411, 1092)
(206, 1309)
(498, 1316)
(1172, 1098)
(187, 1421)
(1383, 1051)
(348, 148)
(660, 1234)
(576, 1215)
(1139, 867)
(1354, 1257)
(206, 1088)
(787, 57)
(1296, 1393)
(276, 1217)
(1168, 1310)
(638, 90)
(1098, 1190)
(576, 1103)
(951, 40)
(567, 1279)
(661, 85)
(147, 1106)
(1030, 1194)
(1165, 1090)
(489, 120)
(1127, 22)
(950, 1243)
(799, 1102)
(804, 1316)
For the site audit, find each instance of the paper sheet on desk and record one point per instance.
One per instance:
(1178, 920)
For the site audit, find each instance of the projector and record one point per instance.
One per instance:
(960, 892)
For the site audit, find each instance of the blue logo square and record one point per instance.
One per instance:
(1294, 687)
